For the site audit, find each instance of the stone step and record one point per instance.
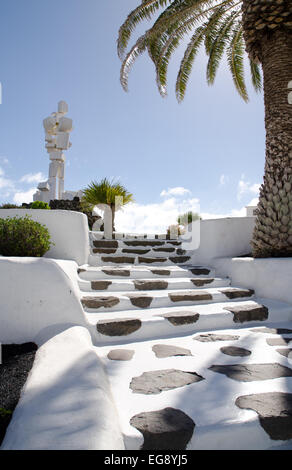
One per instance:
(115, 285)
(151, 253)
(111, 259)
(132, 244)
(91, 273)
(118, 301)
(136, 325)
(232, 392)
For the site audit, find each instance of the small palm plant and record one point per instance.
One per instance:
(107, 194)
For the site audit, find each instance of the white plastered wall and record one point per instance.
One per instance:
(68, 229)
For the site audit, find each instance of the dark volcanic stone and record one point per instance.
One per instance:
(118, 327)
(121, 354)
(234, 351)
(161, 272)
(157, 381)
(151, 260)
(179, 259)
(181, 318)
(164, 250)
(144, 243)
(174, 243)
(106, 251)
(209, 337)
(252, 372)
(190, 296)
(202, 282)
(278, 341)
(81, 270)
(244, 313)
(106, 244)
(180, 252)
(100, 285)
(98, 302)
(150, 285)
(274, 410)
(136, 252)
(197, 271)
(118, 259)
(17, 361)
(116, 272)
(164, 429)
(234, 293)
(141, 301)
(285, 352)
(275, 331)
(167, 350)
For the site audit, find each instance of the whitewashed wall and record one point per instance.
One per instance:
(269, 277)
(68, 229)
(38, 296)
(223, 237)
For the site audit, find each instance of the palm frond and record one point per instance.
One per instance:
(235, 52)
(128, 63)
(219, 44)
(255, 76)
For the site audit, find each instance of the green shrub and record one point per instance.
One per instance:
(40, 205)
(21, 236)
(9, 206)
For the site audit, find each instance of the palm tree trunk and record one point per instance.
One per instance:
(273, 231)
(113, 209)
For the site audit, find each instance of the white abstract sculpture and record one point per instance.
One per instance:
(57, 128)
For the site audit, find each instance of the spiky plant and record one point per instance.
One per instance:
(106, 192)
(263, 28)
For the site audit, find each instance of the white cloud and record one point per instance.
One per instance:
(4, 160)
(5, 183)
(25, 196)
(246, 188)
(153, 218)
(32, 178)
(177, 191)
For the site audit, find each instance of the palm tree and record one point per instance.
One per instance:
(263, 28)
(107, 194)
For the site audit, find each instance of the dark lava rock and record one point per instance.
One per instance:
(285, 352)
(141, 301)
(17, 361)
(135, 252)
(253, 372)
(275, 331)
(274, 410)
(116, 272)
(98, 302)
(106, 244)
(164, 250)
(244, 313)
(121, 354)
(144, 243)
(151, 260)
(106, 251)
(161, 272)
(167, 429)
(167, 350)
(180, 252)
(150, 285)
(179, 259)
(81, 270)
(234, 351)
(181, 318)
(209, 337)
(202, 282)
(278, 341)
(174, 243)
(118, 327)
(197, 271)
(234, 293)
(157, 381)
(100, 285)
(118, 259)
(190, 296)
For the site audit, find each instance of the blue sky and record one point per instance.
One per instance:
(211, 145)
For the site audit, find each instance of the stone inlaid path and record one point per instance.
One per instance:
(193, 361)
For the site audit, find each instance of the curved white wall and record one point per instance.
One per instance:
(37, 295)
(68, 229)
